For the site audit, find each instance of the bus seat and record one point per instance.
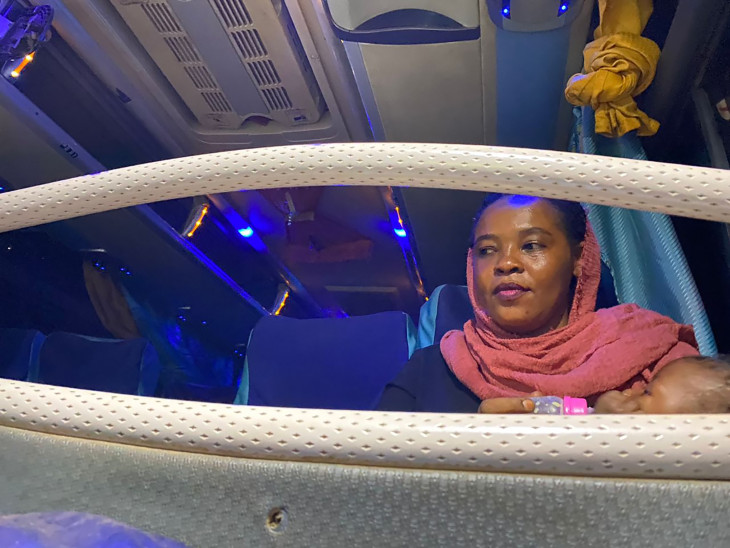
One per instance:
(449, 308)
(198, 392)
(325, 363)
(109, 365)
(19, 352)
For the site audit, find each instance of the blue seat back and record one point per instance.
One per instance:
(329, 363)
(199, 392)
(19, 352)
(108, 365)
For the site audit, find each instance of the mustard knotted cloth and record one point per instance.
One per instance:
(619, 64)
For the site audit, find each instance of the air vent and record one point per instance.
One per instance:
(228, 60)
(166, 23)
(201, 77)
(251, 49)
(161, 18)
(216, 101)
(249, 44)
(182, 49)
(277, 98)
(264, 73)
(234, 14)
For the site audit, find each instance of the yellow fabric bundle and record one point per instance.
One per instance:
(619, 64)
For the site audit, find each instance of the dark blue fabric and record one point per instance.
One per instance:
(329, 363)
(426, 384)
(454, 308)
(199, 392)
(107, 365)
(19, 350)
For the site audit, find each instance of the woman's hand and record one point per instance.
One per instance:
(615, 402)
(508, 406)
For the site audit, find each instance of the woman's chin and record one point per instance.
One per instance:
(518, 326)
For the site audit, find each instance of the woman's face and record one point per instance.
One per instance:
(524, 265)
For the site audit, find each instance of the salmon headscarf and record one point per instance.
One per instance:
(615, 348)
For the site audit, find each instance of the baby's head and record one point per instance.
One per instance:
(696, 384)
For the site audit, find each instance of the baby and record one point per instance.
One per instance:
(695, 384)
(688, 385)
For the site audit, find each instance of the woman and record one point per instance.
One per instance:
(533, 273)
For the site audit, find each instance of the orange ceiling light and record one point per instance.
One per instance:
(27, 59)
(282, 304)
(199, 220)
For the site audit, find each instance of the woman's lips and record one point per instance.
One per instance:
(510, 291)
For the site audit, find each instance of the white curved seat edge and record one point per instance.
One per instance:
(635, 446)
(666, 188)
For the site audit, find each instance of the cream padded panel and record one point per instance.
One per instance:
(673, 189)
(678, 446)
(207, 500)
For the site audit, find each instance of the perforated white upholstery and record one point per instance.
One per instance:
(667, 188)
(602, 445)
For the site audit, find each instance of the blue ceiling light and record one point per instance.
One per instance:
(243, 227)
(563, 8)
(246, 231)
(506, 11)
(396, 221)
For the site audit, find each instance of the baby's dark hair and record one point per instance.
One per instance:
(572, 217)
(716, 399)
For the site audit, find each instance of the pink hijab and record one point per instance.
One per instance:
(597, 351)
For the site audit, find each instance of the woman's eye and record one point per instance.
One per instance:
(484, 251)
(533, 246)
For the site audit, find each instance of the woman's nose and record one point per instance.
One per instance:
(507, 264)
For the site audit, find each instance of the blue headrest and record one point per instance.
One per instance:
(109, 365)
(19, 352)
(328, 363)
(449, 308)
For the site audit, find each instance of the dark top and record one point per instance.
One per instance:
(426, 384)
